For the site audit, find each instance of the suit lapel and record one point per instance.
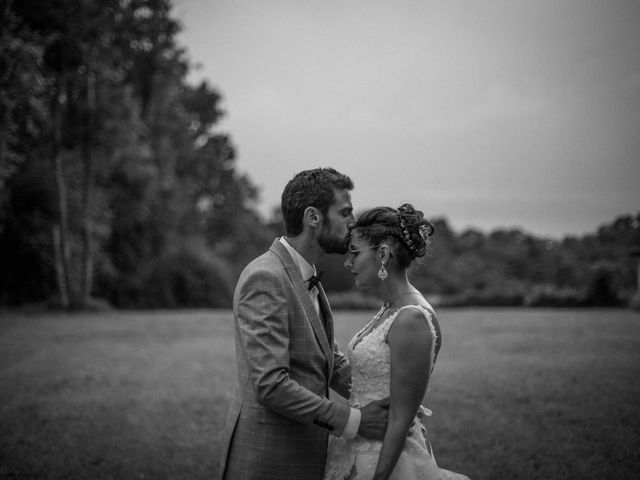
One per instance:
(300, 286)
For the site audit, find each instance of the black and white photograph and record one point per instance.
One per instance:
(319, 240)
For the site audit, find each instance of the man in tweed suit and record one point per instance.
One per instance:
(280, 415)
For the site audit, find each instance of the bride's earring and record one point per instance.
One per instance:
(382, 273)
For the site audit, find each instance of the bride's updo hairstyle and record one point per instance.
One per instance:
(405, 225)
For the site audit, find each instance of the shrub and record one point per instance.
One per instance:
(494, 297)
(602, 290)
(552, 296)
(188, 278)
(634, 301)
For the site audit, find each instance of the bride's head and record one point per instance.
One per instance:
(388, 237)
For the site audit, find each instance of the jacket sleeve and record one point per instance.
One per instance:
(262, 327)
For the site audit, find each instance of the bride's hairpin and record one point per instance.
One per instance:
(405, 234)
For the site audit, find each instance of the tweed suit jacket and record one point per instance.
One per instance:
(280, 414)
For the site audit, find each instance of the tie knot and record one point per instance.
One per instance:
(315, 279)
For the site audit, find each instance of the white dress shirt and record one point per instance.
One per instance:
(307, 270)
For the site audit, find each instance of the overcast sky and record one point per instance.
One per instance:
(491, 113)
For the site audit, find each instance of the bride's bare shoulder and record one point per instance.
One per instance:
(410, 322)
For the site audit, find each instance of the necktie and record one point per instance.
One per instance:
(315, 279)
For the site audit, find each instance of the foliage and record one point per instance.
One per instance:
(552, 296)
(634, 301)
(183, 276)
(510, 267)
(111, 170)
(26, 251)
(115, 166)
(22, 87)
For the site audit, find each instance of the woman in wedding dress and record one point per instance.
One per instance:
(394, 354)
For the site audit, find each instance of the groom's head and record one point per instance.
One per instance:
(321, 199)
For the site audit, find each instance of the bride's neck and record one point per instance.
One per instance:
(395, 290)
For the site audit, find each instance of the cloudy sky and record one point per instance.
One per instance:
(494, 114)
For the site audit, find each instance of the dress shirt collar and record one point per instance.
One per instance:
(306, 269)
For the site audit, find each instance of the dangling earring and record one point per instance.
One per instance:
(382, 273)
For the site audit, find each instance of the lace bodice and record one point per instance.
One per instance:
(369, 356)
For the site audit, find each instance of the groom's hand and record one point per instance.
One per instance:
(373, 419)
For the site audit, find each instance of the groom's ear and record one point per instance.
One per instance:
(312, 216)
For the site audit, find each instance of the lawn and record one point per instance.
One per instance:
(516, 394)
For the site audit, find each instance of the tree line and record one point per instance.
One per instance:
(509, 267)
(116, 188)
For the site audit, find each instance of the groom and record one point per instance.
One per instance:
(280, 415)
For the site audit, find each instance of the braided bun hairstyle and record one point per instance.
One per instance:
(405, 225)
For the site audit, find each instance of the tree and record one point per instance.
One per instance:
(22, 87)
(81, 64)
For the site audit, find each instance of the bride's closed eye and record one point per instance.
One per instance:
(353, 252)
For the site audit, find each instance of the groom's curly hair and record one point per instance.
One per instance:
(310, 188)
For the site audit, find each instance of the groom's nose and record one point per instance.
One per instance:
(352, 222)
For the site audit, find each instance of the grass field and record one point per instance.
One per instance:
(516, 394)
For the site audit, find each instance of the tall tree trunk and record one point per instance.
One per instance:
(60, 274)
(4, 162)
(61, 230)
(87, 190)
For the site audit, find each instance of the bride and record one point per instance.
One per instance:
(394, 354)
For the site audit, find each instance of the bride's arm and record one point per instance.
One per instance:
(410, 341)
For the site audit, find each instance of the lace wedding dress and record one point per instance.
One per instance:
(356, 459)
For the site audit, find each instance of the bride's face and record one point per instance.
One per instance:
(362, 261)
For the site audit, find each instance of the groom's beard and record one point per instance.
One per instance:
(332, 244)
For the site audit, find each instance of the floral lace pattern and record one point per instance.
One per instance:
(356, 459)
(369, 355)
